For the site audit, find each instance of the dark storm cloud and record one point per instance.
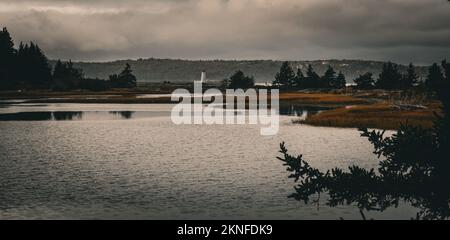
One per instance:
(401, 30)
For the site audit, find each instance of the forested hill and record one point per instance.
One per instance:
(158, 70)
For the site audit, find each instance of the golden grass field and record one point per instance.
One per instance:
(322, 99)
(382, 115)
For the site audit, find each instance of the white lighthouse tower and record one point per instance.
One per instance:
(203, 76)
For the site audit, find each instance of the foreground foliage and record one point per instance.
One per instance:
(415, 168)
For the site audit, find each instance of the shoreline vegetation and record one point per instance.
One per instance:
(353, 109)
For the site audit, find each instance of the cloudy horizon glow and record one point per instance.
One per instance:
(398, 30)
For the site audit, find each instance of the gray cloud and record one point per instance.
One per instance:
(399, 30)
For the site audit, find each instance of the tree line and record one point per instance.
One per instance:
(28, 68)
(286, 78)
(390, 78)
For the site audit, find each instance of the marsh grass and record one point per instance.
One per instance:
(380, 115)
(328, 99)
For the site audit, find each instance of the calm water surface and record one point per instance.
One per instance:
(128, 161)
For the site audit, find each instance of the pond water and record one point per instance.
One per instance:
(129, 161)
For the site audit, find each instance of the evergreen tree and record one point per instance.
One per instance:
(434, 77)
(299, 79)
(7, 59)
(328, 80)
(128, 77)
(33, 67)
(446, 67)
(312, 79)
(65, 76)
(285, 77)
(390, 77)
(240, 80)
(410, 78)
(365, 81)
(59, 70)
(340, 81)
(125, 79)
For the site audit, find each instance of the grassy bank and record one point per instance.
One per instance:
(380, 115)
(322, 99)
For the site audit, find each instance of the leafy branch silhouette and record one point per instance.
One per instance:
(414, 167)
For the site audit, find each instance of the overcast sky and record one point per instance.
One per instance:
(399, 30)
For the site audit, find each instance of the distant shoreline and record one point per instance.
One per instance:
(152, 70)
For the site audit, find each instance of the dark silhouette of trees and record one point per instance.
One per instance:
(125, 79)
(390, 77)
(285, 78)
(365, 81)
(25, 67)
(66, 77)
(7, 59)
(434, 77)
(446, 67)
(28, 67)
(328, 79)
(410, 79)
(299, 80)
(415, 168)
(34, 70)
(240, 80)
(340, 81)
(312, 79)
(331, 80)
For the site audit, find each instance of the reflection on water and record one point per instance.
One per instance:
(26, 116)
(300, 111)
(20, 113)
(67, 115)
(123, 114)
(64, 116)
(149, 168)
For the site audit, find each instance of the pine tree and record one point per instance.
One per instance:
(128, 77)
(446, 67)
(240, 80)
(390, 77)
(125, 79)
(299, 79)
(434, 77)
(328, 80)
(410, 78)
(33, 67)
(7, 60)
(340, 81)
(365, 81)
(312, 78)
(66, 77)
(285, 77)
